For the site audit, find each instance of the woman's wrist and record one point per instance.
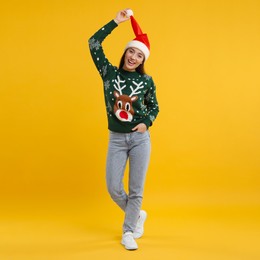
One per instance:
(116, 21)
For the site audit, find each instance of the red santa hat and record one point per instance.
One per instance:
(140, 41)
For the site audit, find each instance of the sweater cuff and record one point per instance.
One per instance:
(113, 23)
(148, 122)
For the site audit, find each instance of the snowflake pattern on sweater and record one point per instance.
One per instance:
(129, 96)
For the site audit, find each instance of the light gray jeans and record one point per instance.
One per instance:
(136, 147)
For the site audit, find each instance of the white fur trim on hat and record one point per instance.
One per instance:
(139, 45)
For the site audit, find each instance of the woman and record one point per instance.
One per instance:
(131, 107)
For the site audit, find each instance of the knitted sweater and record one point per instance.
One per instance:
(130, 97)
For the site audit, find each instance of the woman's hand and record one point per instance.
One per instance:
(140, 128)
(121, 16)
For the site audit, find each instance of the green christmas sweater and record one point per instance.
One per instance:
(130, 97)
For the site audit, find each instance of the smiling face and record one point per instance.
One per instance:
(133, 58)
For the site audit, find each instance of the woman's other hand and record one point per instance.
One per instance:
(140, 128)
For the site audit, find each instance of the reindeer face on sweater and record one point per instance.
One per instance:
(123, 108)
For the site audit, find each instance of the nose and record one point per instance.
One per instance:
(134, 56)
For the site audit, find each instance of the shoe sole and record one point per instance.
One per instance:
(129, 248)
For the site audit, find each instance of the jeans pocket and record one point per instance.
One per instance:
(145, 135)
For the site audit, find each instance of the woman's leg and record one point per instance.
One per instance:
(139, 156)
(116, 162)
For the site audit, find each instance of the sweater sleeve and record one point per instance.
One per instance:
(151, 104)
(95, 45)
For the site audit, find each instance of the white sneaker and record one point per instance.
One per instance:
(139, 230)
(128, 241)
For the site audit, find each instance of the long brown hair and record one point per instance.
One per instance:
(139, 69)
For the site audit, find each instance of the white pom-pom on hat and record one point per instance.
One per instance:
(129, 12)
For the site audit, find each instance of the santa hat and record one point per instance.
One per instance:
(141, 41)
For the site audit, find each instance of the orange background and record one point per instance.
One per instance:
(205, 61)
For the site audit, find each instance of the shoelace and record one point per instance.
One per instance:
(129, 237)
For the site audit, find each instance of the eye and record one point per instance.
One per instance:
(119, 104)
(127, 107)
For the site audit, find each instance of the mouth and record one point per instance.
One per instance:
(131, 62)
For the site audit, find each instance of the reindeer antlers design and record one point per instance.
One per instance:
(135, 91)
(117, 85)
